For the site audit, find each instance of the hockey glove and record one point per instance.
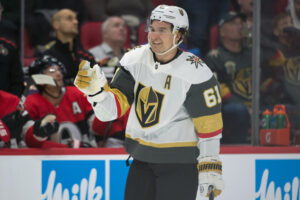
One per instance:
(14, 122)
(210, 174)
(90, 80)
(45, 127)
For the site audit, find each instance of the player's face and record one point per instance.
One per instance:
(55, 73)
(160, 36)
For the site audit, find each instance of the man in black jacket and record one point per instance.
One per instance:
(11, 73)
(66, 47)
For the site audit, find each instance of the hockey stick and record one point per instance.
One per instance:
(211, 195)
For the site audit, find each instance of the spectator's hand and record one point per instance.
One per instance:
(90, 80)
(210, 173)
(45, 127)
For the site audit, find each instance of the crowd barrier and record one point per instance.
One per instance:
(250, 173)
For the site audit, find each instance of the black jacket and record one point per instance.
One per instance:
(70, 59)
(11, 73)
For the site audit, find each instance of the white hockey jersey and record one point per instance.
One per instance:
(171, 105)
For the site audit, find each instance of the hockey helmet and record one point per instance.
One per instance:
(172, 14)
(40, 64)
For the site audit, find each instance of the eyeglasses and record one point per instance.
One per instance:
(52, 69)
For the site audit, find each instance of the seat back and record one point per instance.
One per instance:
(214, 36)
(90, 34)
(142, 35)
(28, 49)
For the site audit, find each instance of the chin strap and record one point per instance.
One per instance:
(173, 47)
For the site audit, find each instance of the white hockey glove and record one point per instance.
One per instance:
(90, 80)
(210, 173)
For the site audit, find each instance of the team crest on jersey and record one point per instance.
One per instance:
(242, 83)
(292, 70)
(195, 60)
(148, 105)
(3, 50)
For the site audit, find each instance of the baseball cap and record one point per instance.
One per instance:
(230, 16)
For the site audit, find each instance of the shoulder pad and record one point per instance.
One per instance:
(134, 55)
(193, 69)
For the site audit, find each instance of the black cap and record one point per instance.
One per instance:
(230, 16)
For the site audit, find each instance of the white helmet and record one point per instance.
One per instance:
(172, 14)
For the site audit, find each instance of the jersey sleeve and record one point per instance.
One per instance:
(122, 86)
(203, 103)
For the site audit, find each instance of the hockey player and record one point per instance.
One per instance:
(68, 104)
(13, 120)
(175, 123)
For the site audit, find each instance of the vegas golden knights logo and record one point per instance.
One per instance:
(148, 105)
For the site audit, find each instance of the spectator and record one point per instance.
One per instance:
(38, 18)
(73, 112)
(66, 47)
(231, 63)
(202, 15)
(286, 61)
(11, 73)
(134, 12)
(15, 122)
(284, 66)
(112, 48)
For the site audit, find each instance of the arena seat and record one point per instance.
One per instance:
(28, 49)
(213, 36)
(142, 35)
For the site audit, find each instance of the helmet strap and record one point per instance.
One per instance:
(173, 46)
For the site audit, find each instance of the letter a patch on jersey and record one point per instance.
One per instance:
(148, 105)
(76, 108)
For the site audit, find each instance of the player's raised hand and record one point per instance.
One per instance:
(210, 175)
(90, 80)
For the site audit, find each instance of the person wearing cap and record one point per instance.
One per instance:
(231, 64)
(175, 123)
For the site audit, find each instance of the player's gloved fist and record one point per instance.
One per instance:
(210, 173)
(46, 126)
(90, 80)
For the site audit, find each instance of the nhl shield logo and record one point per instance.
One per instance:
(148, 105)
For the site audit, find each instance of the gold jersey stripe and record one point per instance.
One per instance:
(208, 124)
(163, 145)
(121, 99)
